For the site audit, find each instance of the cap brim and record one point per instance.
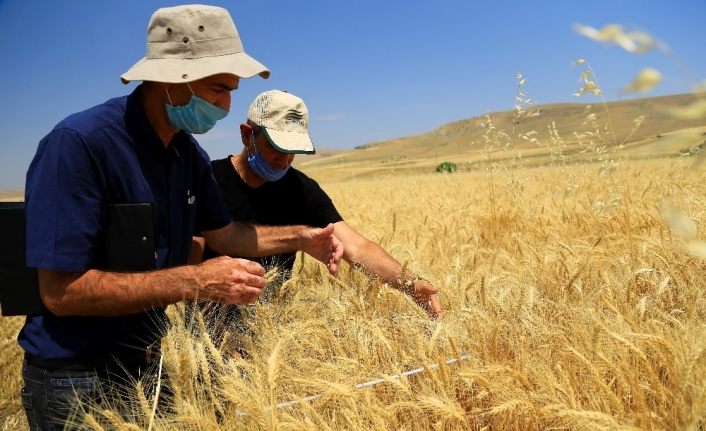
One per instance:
(177, 70)
(289, 142)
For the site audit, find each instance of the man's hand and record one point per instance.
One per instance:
(230, 280)
(426, 296)
(433, 307)
(323, 246)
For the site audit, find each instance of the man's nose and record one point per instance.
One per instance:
(223, 102)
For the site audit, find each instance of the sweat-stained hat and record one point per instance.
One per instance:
(284, 120)
(190, 42)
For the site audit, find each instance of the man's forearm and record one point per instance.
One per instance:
(245, 240)
(101, 293)
(376, 262)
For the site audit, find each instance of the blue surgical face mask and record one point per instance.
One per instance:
(261, 168)
(198, 116)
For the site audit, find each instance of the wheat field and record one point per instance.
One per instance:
(570, 260)
(570, 304)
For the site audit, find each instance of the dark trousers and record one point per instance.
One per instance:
(55, 399)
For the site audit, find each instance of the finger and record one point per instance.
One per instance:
(249, 266)
(337, 251)
(243, 295)
(435, 305)
(333, 262)
(328, 230)
(424, 288)
(332, 268)
(250, 291)
(254, 281)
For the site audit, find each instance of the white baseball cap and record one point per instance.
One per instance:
(284, 119)
(190, 42)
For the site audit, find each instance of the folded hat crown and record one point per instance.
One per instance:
(190, 42)
(192, 32)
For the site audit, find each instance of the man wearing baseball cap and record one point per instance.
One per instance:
(113, 196)
(259, 185)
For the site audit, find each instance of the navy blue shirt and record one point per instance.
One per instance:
(110, 154)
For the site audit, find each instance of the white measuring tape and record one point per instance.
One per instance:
(371, 383)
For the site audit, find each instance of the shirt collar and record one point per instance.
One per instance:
(141, 130)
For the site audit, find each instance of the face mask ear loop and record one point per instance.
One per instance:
(192, 91)
(168, 98)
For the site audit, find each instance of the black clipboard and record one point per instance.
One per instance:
(19, 287)
(129, 245)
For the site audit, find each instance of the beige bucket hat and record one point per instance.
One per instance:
(190, 42)
(284, 119)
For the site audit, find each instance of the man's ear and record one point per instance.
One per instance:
(245, 133)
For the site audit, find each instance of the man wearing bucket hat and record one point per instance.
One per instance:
(113, 196)
(259, 185)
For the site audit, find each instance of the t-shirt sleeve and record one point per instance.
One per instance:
(63, 204)
(319, 205)
(211, 210)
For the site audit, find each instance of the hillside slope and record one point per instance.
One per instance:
(555, 127)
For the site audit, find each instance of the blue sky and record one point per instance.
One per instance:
(368, 70)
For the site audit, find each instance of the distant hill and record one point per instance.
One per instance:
(463, 141)
(10, 195)
(321, 153)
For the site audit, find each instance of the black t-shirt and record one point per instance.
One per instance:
(295, 199)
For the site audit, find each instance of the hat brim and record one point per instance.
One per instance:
(290, 142)
(178, 70)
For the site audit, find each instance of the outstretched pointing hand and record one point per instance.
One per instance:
(321, 244)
